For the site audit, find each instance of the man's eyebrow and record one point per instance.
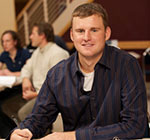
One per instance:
(79, 29)
(95, 28)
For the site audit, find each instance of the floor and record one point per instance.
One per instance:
(12, 105)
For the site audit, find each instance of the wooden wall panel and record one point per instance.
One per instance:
(129, 19)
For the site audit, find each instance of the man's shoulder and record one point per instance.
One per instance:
(56, 51)
(24, 50)
(36, 51)
(57, 48)
(4, 55)
(121, 54)
(65, 64)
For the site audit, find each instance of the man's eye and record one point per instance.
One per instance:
(80, 31)
(94, 30)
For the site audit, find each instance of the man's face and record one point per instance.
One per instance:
(8, 43)
(36, 39)
(89, 35)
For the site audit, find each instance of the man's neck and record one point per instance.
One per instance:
(87, 64)
(43, 44)
(12, 54)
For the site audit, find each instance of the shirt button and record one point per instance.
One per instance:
(92, 98)
(116, 138)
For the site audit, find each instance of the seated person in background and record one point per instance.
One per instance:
(43, 58)
(14, 56)
(58, 40)
(99, 90)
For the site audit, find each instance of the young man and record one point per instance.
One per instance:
(44, 57)
(99, 90)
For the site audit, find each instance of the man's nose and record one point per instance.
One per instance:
(87, 35)
(30, 36)
(3, 43)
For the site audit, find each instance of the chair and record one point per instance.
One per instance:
(6, 125)
(146, 64)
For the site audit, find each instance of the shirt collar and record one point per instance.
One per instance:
(46, 47)
(104, 61)
(106, 57)
(75, 68)
(18, 53)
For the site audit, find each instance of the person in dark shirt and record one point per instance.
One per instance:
(99, 90)
(14, 56)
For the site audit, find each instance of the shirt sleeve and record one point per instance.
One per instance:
(2, 57)
(44, 112)
(133, 115)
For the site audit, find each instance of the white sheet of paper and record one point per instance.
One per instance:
(7, 81)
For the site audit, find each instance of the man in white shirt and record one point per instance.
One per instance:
(34, 71)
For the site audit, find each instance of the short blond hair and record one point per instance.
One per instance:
(89, 9)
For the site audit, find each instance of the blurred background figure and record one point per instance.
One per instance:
(47, 55)
(58, 40)
(14, 56)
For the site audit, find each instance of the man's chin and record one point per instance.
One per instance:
(6, 50)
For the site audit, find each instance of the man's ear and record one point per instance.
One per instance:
(107, 33)
(71, 34)
(42, 35)
(16, 42)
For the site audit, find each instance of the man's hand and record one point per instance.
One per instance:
(60, 136)
(26, 84)
(28, 91)
(6, 72)
(19, 134)
(1, 72)
(28, 95)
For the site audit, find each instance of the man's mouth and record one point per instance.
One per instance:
(88, 45)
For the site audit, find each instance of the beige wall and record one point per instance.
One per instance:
(7, 16)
